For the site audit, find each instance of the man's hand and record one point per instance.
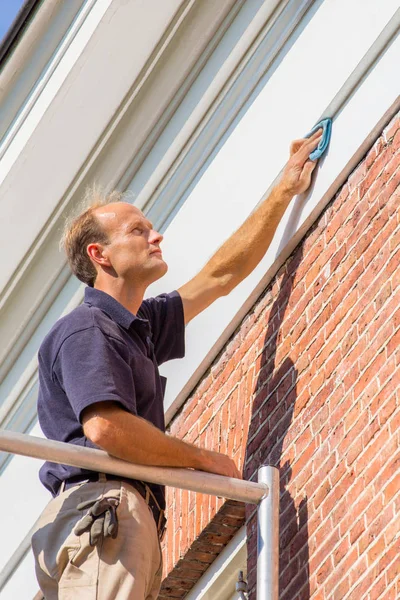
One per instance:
(296, 176)
(218, 463)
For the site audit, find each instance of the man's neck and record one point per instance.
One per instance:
(130, 296)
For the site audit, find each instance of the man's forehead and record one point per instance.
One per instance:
(118, 213)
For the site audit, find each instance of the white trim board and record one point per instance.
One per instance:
(256, 21)
(182, 164)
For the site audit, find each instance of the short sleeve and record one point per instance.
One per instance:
(94, 367)
(166, 317)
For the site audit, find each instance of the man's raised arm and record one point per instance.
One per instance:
(242, 252)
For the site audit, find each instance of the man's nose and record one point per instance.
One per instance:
(155, 237)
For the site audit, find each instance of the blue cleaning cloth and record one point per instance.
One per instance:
(326, 126)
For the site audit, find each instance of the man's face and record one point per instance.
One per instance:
(134, 247)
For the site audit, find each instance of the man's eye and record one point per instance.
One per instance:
(137, 230)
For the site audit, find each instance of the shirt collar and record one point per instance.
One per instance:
(111, 307)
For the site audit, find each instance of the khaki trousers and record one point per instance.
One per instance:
(126, 568)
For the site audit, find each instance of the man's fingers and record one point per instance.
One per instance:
(310, 145)
(296, 145)
(238, 474)
(316, 134)
(308, 169)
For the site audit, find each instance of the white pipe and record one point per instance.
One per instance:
(97, 460)
(268, 536)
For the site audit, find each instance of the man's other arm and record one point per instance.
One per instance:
(242, 252)
(134, 439)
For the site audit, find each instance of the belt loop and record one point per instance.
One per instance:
(102, 478)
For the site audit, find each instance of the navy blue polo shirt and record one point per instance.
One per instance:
(101, 352)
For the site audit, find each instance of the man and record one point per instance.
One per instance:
(100, 387)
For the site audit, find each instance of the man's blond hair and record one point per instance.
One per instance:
(83, 229)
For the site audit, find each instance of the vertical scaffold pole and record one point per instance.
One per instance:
(268, 536)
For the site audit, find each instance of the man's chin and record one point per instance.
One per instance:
(160, 271)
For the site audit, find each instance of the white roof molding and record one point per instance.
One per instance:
(35, 270)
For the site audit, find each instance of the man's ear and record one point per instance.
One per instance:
(98, 254)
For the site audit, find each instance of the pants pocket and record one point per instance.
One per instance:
(81, 569)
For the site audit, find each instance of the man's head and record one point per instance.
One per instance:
(113, 239)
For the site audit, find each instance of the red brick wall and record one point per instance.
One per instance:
(309, 383)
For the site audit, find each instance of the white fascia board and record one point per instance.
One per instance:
(49, 153)
(148, 111)
(218, 582)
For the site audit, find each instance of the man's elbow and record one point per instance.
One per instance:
(219, 282)
(99, 431)
(94, 431)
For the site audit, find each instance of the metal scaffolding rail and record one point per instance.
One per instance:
(265, 493)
